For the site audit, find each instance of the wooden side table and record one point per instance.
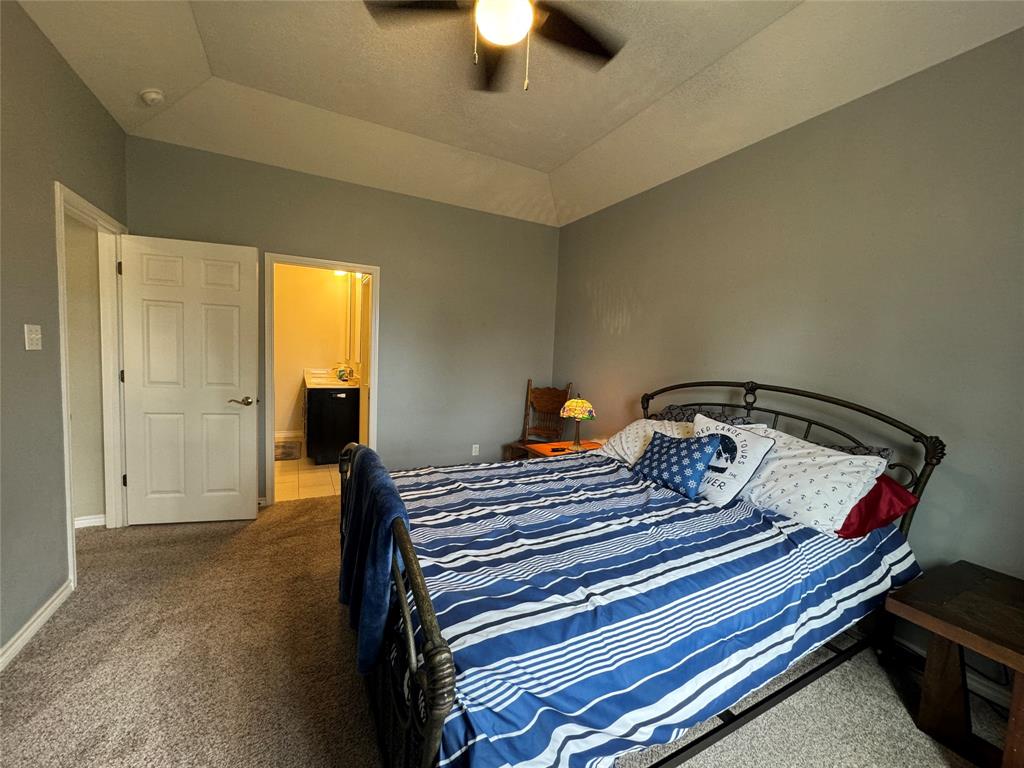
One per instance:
(966, 606)
(560, 448)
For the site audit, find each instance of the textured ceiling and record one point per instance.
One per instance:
(416, 77)
(319, 87)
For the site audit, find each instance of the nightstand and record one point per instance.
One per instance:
(560, 448)
(966, 606)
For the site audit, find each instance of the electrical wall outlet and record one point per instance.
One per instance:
(476, 449)
(33, 337)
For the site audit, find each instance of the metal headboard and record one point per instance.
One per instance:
(934, 447)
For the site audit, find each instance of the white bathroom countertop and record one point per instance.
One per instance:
(322, 378)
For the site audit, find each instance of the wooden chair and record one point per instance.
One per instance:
(541, 420)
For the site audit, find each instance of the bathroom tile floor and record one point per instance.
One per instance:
(302, 479)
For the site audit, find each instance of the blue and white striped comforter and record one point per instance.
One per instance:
(590, 612)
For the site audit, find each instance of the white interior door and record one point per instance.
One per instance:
(190, 330)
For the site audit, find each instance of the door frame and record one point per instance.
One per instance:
(269, 403)
(66, 201)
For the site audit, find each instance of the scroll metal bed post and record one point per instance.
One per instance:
(434, 678)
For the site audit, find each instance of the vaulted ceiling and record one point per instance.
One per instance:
(318, 87)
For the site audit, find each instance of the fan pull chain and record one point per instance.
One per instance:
(476, 36)
(526, 81)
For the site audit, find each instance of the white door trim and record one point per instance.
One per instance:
(107, 228)
(116, 511)
(269, 260)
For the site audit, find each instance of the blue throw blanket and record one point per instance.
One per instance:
(370, 505)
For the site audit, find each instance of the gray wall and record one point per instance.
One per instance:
(874, 253)
(53, 129)
(467, 298)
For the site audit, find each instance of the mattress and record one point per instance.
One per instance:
(591, 612)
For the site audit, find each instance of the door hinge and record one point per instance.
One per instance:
(120, 269)
(122, 375)
(124, 480)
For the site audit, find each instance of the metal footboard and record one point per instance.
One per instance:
(411, 688)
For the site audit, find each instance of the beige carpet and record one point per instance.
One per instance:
(216, 644)
(852, 717)
(222, 644)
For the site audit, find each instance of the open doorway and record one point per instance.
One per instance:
(143, 442)
(90, 361)
(88, 310)
(320, 371)
(84, 375)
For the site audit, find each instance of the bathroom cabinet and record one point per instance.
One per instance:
(332, 421)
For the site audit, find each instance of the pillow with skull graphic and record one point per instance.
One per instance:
(740, 452)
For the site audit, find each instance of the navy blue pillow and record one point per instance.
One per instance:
(678, 463)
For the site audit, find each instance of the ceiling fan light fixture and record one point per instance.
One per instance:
(504, 22)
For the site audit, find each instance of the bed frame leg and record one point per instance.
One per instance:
(879, 628)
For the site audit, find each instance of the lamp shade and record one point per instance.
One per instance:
(578, 409)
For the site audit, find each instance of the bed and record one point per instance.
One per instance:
(564, 611)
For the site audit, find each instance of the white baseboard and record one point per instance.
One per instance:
(289, 434)
(34, 624)
(90, 520)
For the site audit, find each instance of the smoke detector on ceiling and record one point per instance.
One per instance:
(151, 97)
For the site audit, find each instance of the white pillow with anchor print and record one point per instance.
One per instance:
(629, 443)
(813, 485)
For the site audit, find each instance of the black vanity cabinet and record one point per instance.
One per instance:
(332, 422)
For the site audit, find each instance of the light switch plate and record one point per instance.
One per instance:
(33, 337)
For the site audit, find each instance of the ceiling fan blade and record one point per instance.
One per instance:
(393, 10)
(489, 66)
(570, 31)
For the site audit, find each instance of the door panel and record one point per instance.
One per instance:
(220, 346)
(163, 343)
(190, 348)
(165, 454)
(222, 434)
(162, 270)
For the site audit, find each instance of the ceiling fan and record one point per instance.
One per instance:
(499, 24)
